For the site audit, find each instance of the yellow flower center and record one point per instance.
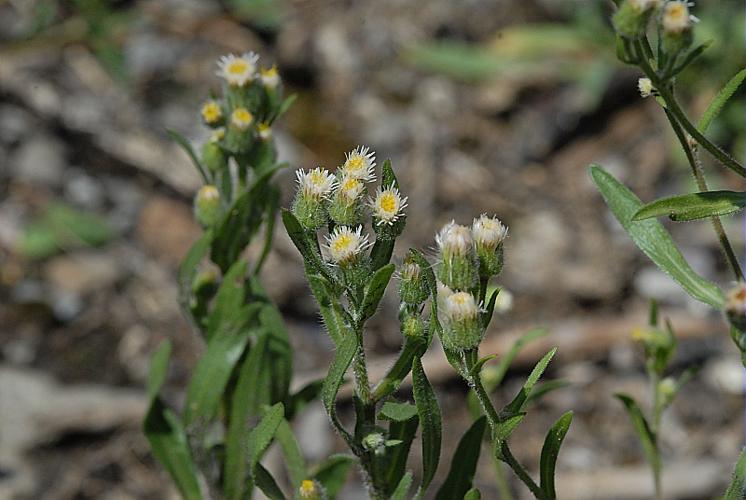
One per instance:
(342, 242)
(211, 112)
(241, 117)
(317, 178)
(355, 163)
(349, 184)
(237, 67)
(677, 12)
(269, 73)
(388, 202)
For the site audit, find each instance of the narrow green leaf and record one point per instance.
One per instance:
(464, 463)
(400, 369)
(653, 239)
(188, 271)
(400, 493)
(301, 241)
(642, 428)
(519, 401)
(294, 461)
(507, 426)
(737, 488)
(267, 483)
(719, 101)
(342, 358)
(398, 412)
(248, 397)
(691, 57)
(403, 431)
(261, 436)
(165, 433)
(210, 377)
(187, 147)
(333, 472)
(270, 215)
(229, 301)
(489, 310)
(549, 453)
(543, 388)
(380, 254)
(429, 412)
(505, 362)
(284, 106)
(477, 368)
(375, 289)
(693, 206)
(280, 353)
(331, 311)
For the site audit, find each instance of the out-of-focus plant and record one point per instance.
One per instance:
(348, 276)
(659, 345)
(673, 51)
(238, 399)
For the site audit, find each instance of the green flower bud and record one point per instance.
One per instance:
(213, 157)
(659, 346)
(489, 234)
(207, 205)
(413, 327)
(631, 19)
(412, 287)
(458, 265)
(459, 315)
(375, 442)
(309, 206)
(346, 205)
(666, 390)
(310, 489)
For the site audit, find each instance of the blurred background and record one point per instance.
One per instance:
(493, 106)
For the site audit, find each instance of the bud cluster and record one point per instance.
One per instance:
(240, 120)
(672, 17)
(467, 258)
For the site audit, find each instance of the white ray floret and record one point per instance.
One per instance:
(360, 163)
(454, 240)
(350, 188)
(317, 183)
(238, 70)
(388, 205)
(345, 244)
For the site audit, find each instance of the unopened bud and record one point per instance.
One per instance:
(309, 206)
(412, 287)
(413, 327)
(214, 157)
(458, 269)
(375, 442)
(346, 205)
(207, 205)
(310, 489)
(631, 19)
(489, 234)
(459, 315)
(677, 26)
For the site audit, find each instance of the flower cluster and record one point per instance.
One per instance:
(467, 258)
(240, 121)
(338, 201)
(673, 18)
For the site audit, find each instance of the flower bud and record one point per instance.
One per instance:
(213, 157)
(458, 268)
(270, 78)
(659, 346)
(264, 131)
(645, 86)
(310, 489)
(345, 246)
(666, 390)
(489, 234)
(375, 442)
(677, 26)
(631, 19)
(459, 315)
(239, 134)
(346, 206)
(412, 327)
(207, 205)
(314, 188)
(412, 287)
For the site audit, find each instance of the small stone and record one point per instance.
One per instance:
(83, 272)
(167, 229)
(40, 159)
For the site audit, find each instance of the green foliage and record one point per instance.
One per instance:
(737, 487)
(550, 452)
(716, 106)
(653, 239)
(693, 206)
(430, 419)
(464, 464)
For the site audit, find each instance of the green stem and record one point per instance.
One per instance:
(495, 426)
(699, 177)
(654, 426)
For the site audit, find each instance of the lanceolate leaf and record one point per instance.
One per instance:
(261, 436)
(464, 463)
(652, 238)
(486, 316)
(400, 493)
(331, 311)
(737, 488)
(342, 358)
(184, 143)
(400, 369)
(694, 206)
(375, 289)
(166, 434)
(404, 431)
(519, 402)
(429, 411)
(640, 423)
(549, 453)
(267, 483)
(189, 268)
(504, 362)
(294, 461)
(719, 101)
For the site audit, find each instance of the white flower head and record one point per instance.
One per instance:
(238, 70)
(310, 489)
(455, 240)
(316, 183)
(644, 5)
(264, 130)
(676, 17)
(345, 244)
(459, 307)
(270, 77)
(488, 232)
(360, 163)
(211, 112)
(217, 135)
(645, 86)
(388, 205)
(350, 188)
(241, 118)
